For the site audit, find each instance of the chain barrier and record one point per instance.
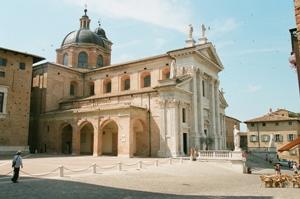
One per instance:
(6, 175)
(78, 170)
(164, 162)
(40, 174)
(107, 167)
(128, 165)
(118, 165)
(148, 163)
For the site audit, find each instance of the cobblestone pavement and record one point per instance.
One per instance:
(187, 180)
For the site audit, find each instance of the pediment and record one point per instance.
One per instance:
(210, 54)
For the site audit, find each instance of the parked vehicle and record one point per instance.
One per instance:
(284, 163)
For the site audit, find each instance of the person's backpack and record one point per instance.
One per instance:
(14, 162)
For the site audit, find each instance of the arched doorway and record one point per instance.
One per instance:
(66, 139)
(110, 138)
(87, 139)
(140, 139)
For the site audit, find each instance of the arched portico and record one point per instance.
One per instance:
(109, 132)
(140, 138)
(86, 139)
(66, 139)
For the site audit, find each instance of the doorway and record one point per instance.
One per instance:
(185, 143)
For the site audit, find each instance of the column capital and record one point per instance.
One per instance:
(162, 103)
(172, 102)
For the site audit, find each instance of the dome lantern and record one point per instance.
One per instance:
(85, 20)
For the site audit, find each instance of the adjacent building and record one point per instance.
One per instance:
(15, 89)
(156, 106)
(274, 130)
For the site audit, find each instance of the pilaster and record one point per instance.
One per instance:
(75, 140)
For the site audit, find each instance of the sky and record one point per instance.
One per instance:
(251, 38)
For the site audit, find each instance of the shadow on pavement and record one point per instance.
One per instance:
(51, 188)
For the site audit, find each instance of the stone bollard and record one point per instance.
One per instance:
(181, 160)
(61, 171)
(156, 163)
(170, 160)
(119, 166)
(94, 168)
(140, 166)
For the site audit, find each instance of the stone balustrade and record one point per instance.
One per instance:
(220, 155)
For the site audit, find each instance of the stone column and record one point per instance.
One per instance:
(200, 110)
(97, 139)
(176, 127)
(196, 109)
(125, 136)
(162, 143)
(217, 112)
(172, 120)
(75, 140)
(213, 110)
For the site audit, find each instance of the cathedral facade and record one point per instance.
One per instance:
(157, 106)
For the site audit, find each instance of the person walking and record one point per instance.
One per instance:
(295, 169)
(277, 168)
(16, 164)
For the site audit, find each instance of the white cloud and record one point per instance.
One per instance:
(220, 27)
(223, 44)
(172, 14)
(127, 44)
(159, 43)
(258, 50)
(253, 88)
(123, 58)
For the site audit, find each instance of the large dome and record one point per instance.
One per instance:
(83, 36)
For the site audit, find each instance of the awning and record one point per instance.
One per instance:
(290, 145)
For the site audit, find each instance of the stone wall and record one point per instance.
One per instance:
(283, 128)
(14, 122)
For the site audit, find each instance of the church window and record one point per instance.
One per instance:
(291, 137)
(253, 138)
(166, 73)
(99, 61)
(203, 88)
(2, 74)
(82, 59)
(125, 83)
(1, 101)
(183, 115)
(145, 80)
(65, 59)
(107, 86)
(3, 62)
(73, 89)
(22, 66)
(278, 138)
(92, 89)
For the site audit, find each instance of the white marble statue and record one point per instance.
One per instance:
(236, 139)
(191, 29)
(173, 69)
(203, 30)
(271, 142)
